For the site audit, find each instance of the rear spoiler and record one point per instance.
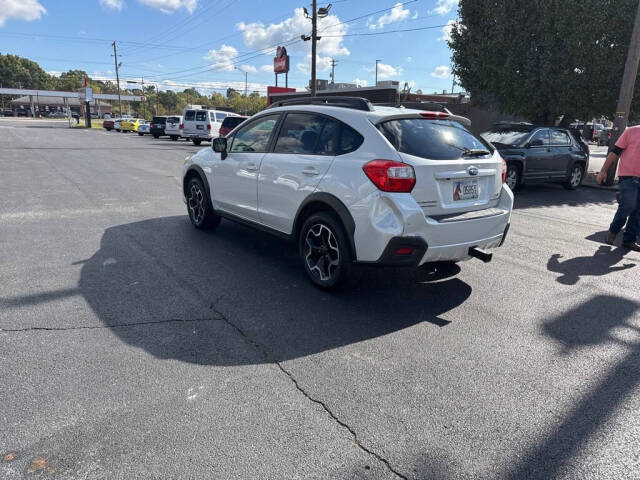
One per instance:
(442, 115)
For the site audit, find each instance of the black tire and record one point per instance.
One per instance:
(200, 212)
(324, 250)
(575, 177)
(513, 178)
(117, 129)
(155, 135)
(196, 141)
(174, 138)
(108, 129)
(141, 134)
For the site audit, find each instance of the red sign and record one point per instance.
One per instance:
(274, 90)
(281, 61)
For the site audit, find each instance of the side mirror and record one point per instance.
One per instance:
(219, 145)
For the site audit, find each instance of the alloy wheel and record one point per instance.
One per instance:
(196, 203)
(322, 253)
(576, 177)
(512, 178)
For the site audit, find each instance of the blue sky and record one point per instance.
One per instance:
(211, 43)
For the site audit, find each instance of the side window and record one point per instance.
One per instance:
(541, 136)
(329, 138)
(201, 115)
(190, 115)
(350, 140)
(220, 116)
(560, 138)
(255, 136)
(299, 133)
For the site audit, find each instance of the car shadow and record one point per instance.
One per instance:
(602, 262)
(594, 323)
(546, 195)
(185, 281)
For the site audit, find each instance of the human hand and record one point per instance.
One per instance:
(602, 177)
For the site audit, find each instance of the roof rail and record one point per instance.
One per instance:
(431, 106)
(357, 103)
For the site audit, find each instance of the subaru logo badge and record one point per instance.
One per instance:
(472, 170)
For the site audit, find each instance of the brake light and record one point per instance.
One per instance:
(390, 176)
(504, 170)
(434, 115)
(181, 127)
(208, 126)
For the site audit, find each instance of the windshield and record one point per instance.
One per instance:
(433, 139)
(510, 137)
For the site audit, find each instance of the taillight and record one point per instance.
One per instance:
(208, 126)
(181, 127)
(434, 115)
(504, 170)
(390, 176)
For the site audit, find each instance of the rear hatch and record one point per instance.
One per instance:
(173, 124)
(455, 170)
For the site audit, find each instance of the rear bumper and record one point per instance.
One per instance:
(198, 136)
(390, 218)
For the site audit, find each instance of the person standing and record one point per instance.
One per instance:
(627, 148)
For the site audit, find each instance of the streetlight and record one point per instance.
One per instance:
(141, 82)
(315, 14)
(245, 79)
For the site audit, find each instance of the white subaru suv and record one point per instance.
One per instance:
(351, 182)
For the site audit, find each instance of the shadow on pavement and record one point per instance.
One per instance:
(546, 195)
(602, 262)
(589, 325)
(164, 271)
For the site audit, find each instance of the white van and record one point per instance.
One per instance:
(174, 127)
(202, 124)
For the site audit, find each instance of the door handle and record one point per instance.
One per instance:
(311, 171)
(251, 167)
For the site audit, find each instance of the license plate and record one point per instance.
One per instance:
(465, 190)
(200, 127)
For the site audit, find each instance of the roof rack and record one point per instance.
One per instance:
(357, 103)
(431, 106)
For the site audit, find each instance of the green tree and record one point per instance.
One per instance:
(543, 58)
(18, 72)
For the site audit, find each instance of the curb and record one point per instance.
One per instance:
(590, 182)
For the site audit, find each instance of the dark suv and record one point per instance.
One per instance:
(157, 126)
(540, 154)
(229, 123)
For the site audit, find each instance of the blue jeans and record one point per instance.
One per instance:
(628, 207)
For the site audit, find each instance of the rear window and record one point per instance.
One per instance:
(220, 116)
(159, 119)
(201, 116)
(432, 139)
(508, 137)
(232, 122)
(189, 115)
(173, 119)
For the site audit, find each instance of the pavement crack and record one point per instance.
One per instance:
(262, 349)
(102, 327)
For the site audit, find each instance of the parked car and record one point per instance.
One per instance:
(597, 130)
(57, 114)
(7, 113)
(157, 126)
(109, 124)
(143, 128)
(230, 123)
(540, 154)
(352, 182)
(604, 136)
(131, 124)
(173, 127)
(202, 125)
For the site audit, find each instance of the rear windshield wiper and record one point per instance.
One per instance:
(475, 152)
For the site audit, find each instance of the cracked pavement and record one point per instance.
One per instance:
(133, 346)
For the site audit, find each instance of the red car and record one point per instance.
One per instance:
(229, 123)
(108, 124)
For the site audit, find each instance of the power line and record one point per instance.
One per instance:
(387, 32)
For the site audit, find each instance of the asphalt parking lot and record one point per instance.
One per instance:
(134, 346)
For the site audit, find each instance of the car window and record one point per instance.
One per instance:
(220, 116)
(559, 138)
(255, 136)
(201, 115)
(173, 119)
(329, 138)
(541, 135)
(189, 115)
(432, 139)
(299, 133)
(350, 140)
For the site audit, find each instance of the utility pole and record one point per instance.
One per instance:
(315, 14)
(157, 99)
(115, 55)
(626, 92)
(377, 61)
(245, 83)
(144, 103)
(333, 71)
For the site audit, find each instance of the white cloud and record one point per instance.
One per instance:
(170, 6)
(444, 6)
(443, 71)
(20, 9)
(386, 72)
(397, 14)
(323, 64)
(223, 58)
(446, 31)
(409, 59)
(257, 36)
(361, 83)
(248, 68)
(266, 68)
(112, 4)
